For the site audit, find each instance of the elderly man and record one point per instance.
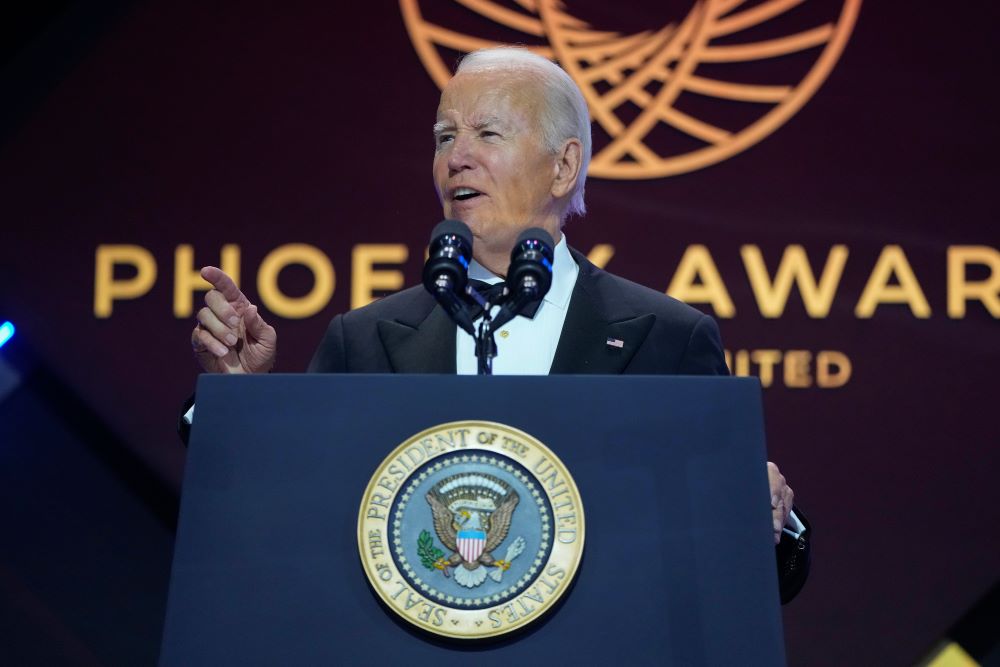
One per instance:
(512, 148)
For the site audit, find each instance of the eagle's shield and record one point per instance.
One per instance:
(470, 544)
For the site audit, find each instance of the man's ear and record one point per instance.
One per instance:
(569, 159)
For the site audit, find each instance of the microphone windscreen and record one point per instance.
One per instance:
(452, 227)
(537, 234)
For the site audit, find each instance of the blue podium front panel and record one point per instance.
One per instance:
(678, 566)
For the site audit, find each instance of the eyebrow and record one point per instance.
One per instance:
(447, 125)
(486, 122)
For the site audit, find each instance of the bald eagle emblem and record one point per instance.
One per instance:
(472, 514)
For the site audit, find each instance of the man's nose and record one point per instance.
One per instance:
(461, 156)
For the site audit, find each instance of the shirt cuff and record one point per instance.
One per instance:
(793, 526)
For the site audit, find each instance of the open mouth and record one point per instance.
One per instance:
(465, 194)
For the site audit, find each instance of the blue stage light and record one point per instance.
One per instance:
(6, 332)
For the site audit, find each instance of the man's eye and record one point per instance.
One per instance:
(489, 133)
(443, 139)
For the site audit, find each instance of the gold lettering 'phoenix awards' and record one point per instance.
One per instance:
(471, 529)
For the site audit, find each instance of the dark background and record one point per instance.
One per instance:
(163, 123)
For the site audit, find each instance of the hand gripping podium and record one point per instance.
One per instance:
(678, 565)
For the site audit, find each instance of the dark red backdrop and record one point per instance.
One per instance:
(261, 125)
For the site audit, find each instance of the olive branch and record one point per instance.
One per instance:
(429, 554)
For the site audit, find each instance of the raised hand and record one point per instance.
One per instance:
(231, 336)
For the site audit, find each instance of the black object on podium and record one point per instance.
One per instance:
(678, 566)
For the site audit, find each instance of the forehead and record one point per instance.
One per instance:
(505, 95)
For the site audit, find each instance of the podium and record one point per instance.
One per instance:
(678, 566)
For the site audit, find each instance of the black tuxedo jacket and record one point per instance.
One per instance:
(409, 333)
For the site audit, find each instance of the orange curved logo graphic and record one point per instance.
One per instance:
(667, 101)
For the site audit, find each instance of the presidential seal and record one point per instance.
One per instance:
(471, 529)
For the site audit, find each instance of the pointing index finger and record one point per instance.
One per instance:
(222, 282)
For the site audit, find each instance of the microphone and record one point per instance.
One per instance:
(529, 276)
(446, 271)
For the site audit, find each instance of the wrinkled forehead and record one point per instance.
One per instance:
(501, 94)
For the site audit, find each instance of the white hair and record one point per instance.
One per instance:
(565, 115)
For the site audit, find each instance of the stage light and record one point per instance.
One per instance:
(6, 332)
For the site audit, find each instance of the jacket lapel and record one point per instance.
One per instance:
(595, 325)
(423, 343)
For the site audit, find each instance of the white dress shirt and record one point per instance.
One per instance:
(524, 346)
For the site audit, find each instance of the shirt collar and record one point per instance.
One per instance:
(564, 272)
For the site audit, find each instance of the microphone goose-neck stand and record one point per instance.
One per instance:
(486, 343)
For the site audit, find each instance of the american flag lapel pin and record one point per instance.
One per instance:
(616, 342)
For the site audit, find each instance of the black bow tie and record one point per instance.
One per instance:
(493, 293)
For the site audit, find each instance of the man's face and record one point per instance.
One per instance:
(492, 170)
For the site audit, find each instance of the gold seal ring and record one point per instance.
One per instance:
(471, 529)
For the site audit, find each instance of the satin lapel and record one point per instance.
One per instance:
(420, 347)
(594, 327)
